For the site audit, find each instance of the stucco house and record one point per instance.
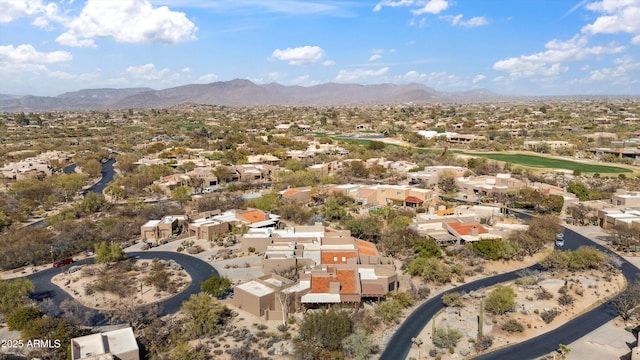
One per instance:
(334, 267)
(117, 344)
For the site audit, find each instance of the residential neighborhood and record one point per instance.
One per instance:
(313, 219)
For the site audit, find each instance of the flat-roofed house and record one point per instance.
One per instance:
(117, 344)
(626, 198)
(469, 232)
(155, 230)
(262, 296)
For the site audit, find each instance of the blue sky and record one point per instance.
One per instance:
(511, 47)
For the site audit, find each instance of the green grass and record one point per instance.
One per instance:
(549, 163)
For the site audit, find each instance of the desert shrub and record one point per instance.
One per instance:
(565, 299)
(434, 270)
(501, 300)
(585, 257)
(446, 338)
(549, 315)
(513, 326)
(452, 299)
(483, 343)
(493, 249)
(543, 294)
(389, 311)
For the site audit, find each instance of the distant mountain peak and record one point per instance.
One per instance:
(242, 92)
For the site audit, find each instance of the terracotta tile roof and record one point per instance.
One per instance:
(253, 216)
(347, 278)
(290, 192)
(413, 199)
(465, 229)
(328, 256)
(366, 248)
(320, 283)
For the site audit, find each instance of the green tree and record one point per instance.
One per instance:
(427, 247)
(580, 190)
(5, 221)
(266, 202)
(19, 318)
(365, 228)
(358, 345)
(13, 293)
(447, 181)
(552, 203)
(181, 194)
(108, 253)
(47, 327)
(333, 210)
(205, 316)
(389, 311)
(215, 285)
(321, 332)
(501, 300)
(69, 184)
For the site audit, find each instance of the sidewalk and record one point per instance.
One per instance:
(610, 340)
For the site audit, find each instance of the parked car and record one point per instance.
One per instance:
(560, 240)
(62, 262)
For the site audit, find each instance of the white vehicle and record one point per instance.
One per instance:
(560, 240)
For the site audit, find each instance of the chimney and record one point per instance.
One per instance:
(474, 231)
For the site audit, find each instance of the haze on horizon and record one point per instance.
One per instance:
(524, 47)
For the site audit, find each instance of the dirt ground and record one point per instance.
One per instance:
(140, 293)
(594, 286)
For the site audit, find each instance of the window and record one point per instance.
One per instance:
(344, 259)
(335, 258)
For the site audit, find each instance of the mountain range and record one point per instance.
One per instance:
(242, 93)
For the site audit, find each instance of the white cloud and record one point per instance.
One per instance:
(391, 3)
(359, 75)
(68, 39)
(617, 16)
(328, 63)
(134, 21)
(62, 75)
(146, 72)
(186, 69)
(208, 78)
(274, 75)
(375, 57)
(11, 10)
(548, 62)
(26, 53)
(412, 76)
(432, 7)
(473, 22)
(626, 71)
(476, 79)
(420, 6)
(299, 56)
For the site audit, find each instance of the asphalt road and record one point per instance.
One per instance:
(400, 343)
(199, 271)
(107, 173)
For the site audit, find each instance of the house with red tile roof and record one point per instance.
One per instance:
(469, 232)
(338, 266)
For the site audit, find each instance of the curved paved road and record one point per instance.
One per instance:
(400, 343)
(199, 271)
(107, 173)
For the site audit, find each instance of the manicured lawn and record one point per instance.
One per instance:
(549, 163)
